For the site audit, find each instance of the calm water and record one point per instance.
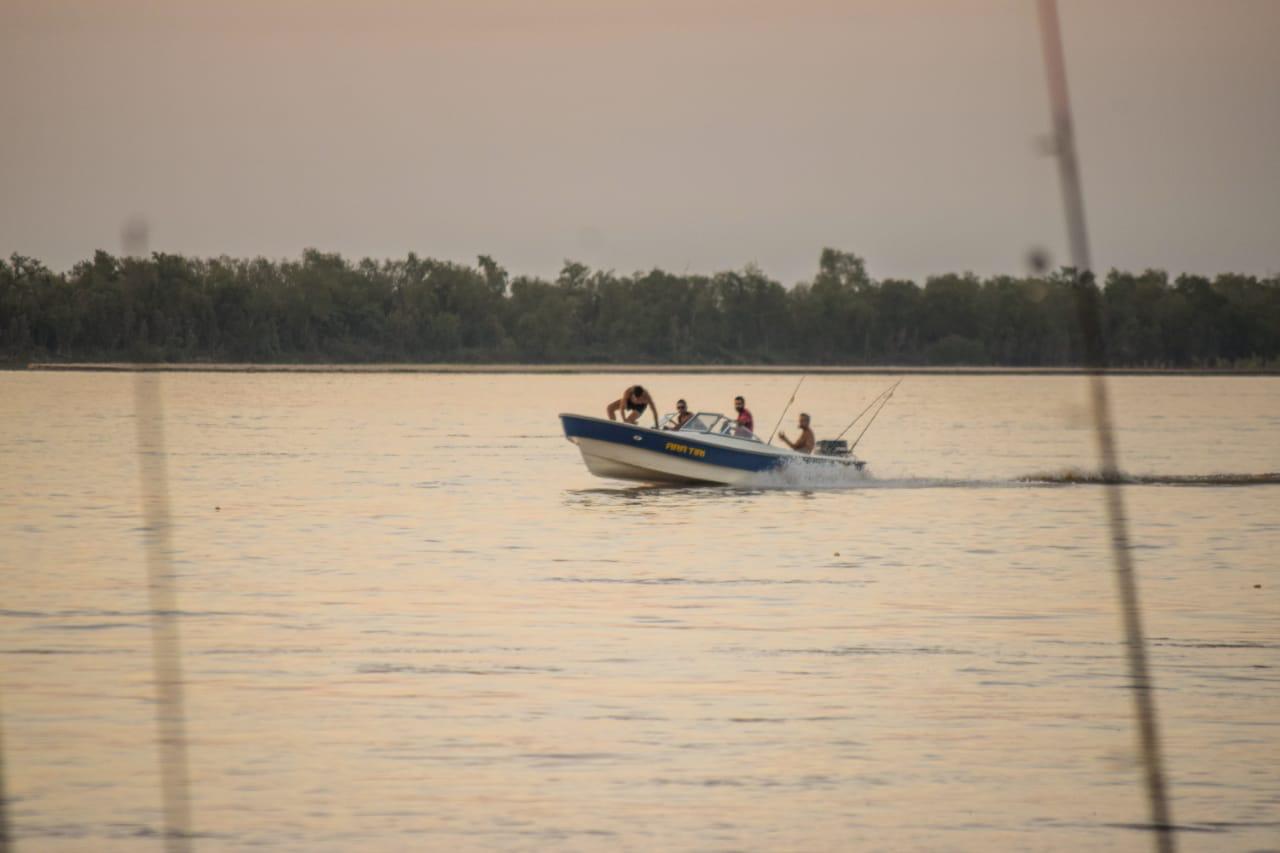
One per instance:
(411, 619)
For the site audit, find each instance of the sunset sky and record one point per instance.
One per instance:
(697, 135)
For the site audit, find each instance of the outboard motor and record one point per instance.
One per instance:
(832, 447)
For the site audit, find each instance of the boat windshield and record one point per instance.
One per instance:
(668, 421)
(718, 424)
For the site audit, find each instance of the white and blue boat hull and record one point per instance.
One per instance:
(630, 452)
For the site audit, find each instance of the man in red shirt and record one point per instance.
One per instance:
(745, 421)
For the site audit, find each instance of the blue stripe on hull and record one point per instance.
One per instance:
(670, 442)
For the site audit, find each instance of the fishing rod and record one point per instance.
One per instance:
(883, 395)
(884, 402)
(784, 411)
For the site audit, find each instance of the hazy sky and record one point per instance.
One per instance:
(628, 134)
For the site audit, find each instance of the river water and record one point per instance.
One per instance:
(411, 619)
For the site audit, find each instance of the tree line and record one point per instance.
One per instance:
(324, 308)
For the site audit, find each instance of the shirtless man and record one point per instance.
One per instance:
(682, 415)
(803, 444)
(632, 404)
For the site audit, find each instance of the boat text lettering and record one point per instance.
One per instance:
(685, 449)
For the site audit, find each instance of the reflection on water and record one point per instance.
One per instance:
(411, 621)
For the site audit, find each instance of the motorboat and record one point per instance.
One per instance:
(707, 448)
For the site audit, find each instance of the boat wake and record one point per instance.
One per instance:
(1074, 476)
(796, 477)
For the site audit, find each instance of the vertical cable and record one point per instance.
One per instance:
(166, 650)
(1089, 309)
(5, 844)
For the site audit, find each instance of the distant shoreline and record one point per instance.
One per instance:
(825, 370)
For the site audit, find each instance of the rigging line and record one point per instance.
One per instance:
(784, 411)
(885, 398)
(166, 652)
(1088, 307)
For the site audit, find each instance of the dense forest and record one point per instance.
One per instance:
(323, 308)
